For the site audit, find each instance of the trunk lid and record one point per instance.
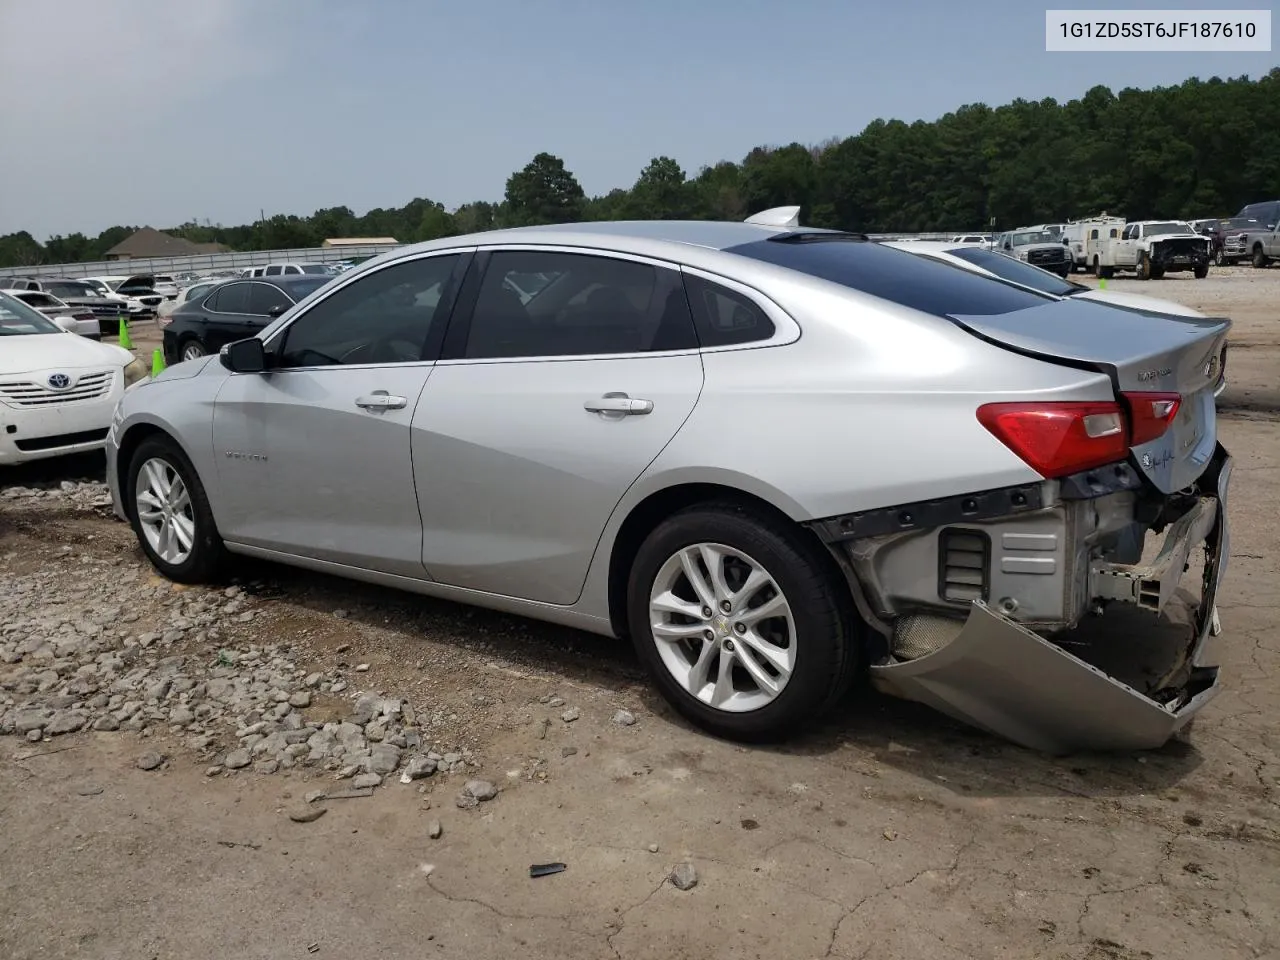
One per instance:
(1141, 351)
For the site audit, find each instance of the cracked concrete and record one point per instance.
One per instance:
(890, 834)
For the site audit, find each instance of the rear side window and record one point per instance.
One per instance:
(895, 275)
(724, 317)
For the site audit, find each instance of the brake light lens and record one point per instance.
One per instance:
(1057, 439)
(1150, 415)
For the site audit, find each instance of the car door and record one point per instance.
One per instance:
(1127, 247)
(313, 454)
(227, 317)
(564, 374)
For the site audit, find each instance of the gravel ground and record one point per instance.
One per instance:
(294, 765)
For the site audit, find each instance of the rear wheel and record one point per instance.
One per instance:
(192, 350)
(170, 513)
(1143, 269)
(741, 622)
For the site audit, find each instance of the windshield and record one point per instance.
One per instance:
(17, 319)
(1017, 271)
(1037, 236)
(68, 289)
(1173, 226)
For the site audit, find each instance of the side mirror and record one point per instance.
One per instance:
(244, 356)
(66, 324)
(277, 310)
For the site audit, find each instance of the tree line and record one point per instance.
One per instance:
(1203, 148)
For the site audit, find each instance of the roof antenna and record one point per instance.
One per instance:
(776, 217)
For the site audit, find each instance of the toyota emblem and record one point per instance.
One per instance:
(59, 381)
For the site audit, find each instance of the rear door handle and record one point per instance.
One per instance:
(381, 400)
(619, 403)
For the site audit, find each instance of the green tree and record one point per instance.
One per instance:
(662, 192)
(20, 250)
(544, 192)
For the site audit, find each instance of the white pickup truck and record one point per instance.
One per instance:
(1152, 248)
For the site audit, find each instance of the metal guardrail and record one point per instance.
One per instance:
(207, 263)
(200, 263)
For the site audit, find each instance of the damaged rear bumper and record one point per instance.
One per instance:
(1002, 677)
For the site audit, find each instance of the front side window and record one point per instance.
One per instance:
(383, 317)
(272, 271)
(550, 304)
(894, 275)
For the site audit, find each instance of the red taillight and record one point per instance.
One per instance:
(1150, 415)
(1059, 439)
(90, 315)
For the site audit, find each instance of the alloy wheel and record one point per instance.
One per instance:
(192, 351)
(165, 512)
(723, 627)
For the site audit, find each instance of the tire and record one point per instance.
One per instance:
(1157, 272)
(206, 556)
(1259, 258)
(1218, 259)
(824, 642)
(191, 349)
(1096, 268)
(1201, 270)
(1143, 269)
(1106, 273)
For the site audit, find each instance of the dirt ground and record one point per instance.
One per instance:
(890, 834)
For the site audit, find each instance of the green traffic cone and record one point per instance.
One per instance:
(157, 362)
(1102, 283)
(124, 334)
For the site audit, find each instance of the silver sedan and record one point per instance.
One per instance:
(774, 457)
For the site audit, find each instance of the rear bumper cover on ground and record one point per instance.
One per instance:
(1001, 677)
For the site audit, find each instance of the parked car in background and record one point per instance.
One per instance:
(1152, 248)
(106, 288)
(74, 293)
(997, 264)
(1233, 234)
(290, 270)
(164, 312)
(1260, 245)
(57, 390)
(971, 238)
(167, 287)
(80, 320)
(231, 311)
(1039, 248)
(1266, 213)
(1084, 238)
(632, 452)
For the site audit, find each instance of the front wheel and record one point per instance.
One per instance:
(1143, 269)
(1201, 270)
(1259, 258)
(741, 622)
(170, 513)
(1219, 259)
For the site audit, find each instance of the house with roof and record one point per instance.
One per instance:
(149, 242)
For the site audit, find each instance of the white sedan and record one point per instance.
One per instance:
(58, 390)
(992, 263)
(164, 312)
(79, 320)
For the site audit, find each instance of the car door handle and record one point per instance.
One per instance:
(381, 400)
(619, 403)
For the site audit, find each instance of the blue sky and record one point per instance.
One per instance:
(154, 112)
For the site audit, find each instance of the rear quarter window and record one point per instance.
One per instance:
(896, 276)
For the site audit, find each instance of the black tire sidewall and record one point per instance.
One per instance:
(206, 554)
(825, 641)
